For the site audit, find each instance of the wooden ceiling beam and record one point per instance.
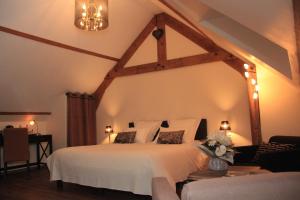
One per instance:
(183, 17)
(124, 59)
(191, 34)
(136, 44)
(215, 53)
(161, 42)
(54, 43)
(172, 64)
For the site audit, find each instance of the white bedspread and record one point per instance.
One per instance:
(127, 167)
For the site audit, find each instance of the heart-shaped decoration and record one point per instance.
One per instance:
(158, 33)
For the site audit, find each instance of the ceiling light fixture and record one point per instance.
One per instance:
(91, 15)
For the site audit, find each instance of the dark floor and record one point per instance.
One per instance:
(36, 186)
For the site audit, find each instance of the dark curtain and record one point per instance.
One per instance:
(81, 119)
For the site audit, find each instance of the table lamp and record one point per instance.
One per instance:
(32, 123)
(109, 130)
(225, 126)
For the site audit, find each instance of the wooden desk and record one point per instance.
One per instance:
(37, 140)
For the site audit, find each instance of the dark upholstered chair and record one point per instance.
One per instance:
(15, 146)
(276, 161)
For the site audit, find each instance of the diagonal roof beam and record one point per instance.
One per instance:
(191, 34)
(125, 58)
(183, 17)
(54, 43)
(215, 53)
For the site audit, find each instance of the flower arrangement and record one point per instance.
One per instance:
(218, 145)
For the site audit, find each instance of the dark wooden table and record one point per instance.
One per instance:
(232, 171)
(38, 140)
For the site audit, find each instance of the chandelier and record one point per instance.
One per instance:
(91, 15)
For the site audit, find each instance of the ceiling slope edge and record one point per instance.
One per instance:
(238, 39)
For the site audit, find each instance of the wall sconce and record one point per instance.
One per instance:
(34, 123)
(225, 126)
(246, 66)
(253, 80)
(109, 130)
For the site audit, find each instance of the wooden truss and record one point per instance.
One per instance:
(214, 53)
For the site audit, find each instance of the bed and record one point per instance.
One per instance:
(126, 167)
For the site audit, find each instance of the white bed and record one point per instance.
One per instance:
(126, 167)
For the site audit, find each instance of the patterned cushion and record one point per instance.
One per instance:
(172, 137)
(125, 137)
(272, 147)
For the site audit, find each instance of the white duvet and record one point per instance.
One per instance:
(127, 167)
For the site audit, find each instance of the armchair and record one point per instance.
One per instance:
(275, 161)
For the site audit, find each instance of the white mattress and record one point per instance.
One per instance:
(127, 167)
(268, 186)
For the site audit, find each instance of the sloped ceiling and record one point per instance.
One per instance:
(261, 31)
(29, 69)
(54, 19)
(33, 74)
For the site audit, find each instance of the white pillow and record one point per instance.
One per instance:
(162, 129)
(141, 135)
(153, 127)
(189, 125)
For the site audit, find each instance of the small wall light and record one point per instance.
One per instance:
(109, 130)
(246, 66)
(255, 95)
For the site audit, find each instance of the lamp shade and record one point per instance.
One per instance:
(225, 126)
(109, 129)
(91, 15)
(32, 122)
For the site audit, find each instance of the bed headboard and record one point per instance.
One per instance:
(201, 132)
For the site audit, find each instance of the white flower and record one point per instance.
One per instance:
(221, 138)
(212, 143)
(220, 151)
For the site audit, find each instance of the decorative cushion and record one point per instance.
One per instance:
(272, 148)
(172, 137)
(125, 137)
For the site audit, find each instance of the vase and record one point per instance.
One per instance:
(217, 164)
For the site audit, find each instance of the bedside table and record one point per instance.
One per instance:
(232, 171)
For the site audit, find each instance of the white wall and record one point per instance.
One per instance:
(213, 91)
(279, 104)
(34, 77)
